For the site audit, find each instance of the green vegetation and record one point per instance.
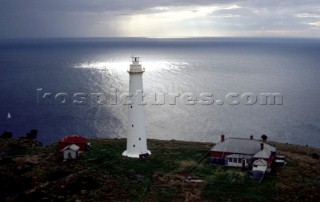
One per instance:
(176, 171)
(226, 183)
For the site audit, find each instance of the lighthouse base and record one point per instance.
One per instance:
(134, 154)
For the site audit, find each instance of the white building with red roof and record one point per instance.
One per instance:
(241, 152)
(80, 141)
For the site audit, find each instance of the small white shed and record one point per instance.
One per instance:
(70, 152)
(260, 165)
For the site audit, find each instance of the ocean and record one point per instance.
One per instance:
(210, 86)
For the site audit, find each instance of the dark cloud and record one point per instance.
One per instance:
(96, 5)
(89, 18)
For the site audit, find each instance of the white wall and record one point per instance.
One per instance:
(259, 168)
(237, 164)
(69, 152)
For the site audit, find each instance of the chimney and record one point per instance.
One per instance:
(261, 146)
(222, 138)
(251, 137)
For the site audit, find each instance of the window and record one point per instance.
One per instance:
(132, 125)
(131, 106)
(139, 138)
(234, 160)
(230, 160)
(239, 160)
(134, 145)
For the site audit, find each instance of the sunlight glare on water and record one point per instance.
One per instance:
(116, 67)
(217, 66)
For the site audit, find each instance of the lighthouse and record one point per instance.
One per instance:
(137, 137)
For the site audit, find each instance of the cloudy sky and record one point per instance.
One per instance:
(159, 18)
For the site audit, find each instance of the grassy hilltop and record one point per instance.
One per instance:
(176, 171)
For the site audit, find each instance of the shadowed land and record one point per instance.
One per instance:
(176, 171)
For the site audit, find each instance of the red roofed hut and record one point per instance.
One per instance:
(81, 142)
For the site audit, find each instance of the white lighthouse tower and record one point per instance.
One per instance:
(137, 137)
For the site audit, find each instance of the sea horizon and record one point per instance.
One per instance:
(217, 65)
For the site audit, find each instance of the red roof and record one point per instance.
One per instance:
(74, 139)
